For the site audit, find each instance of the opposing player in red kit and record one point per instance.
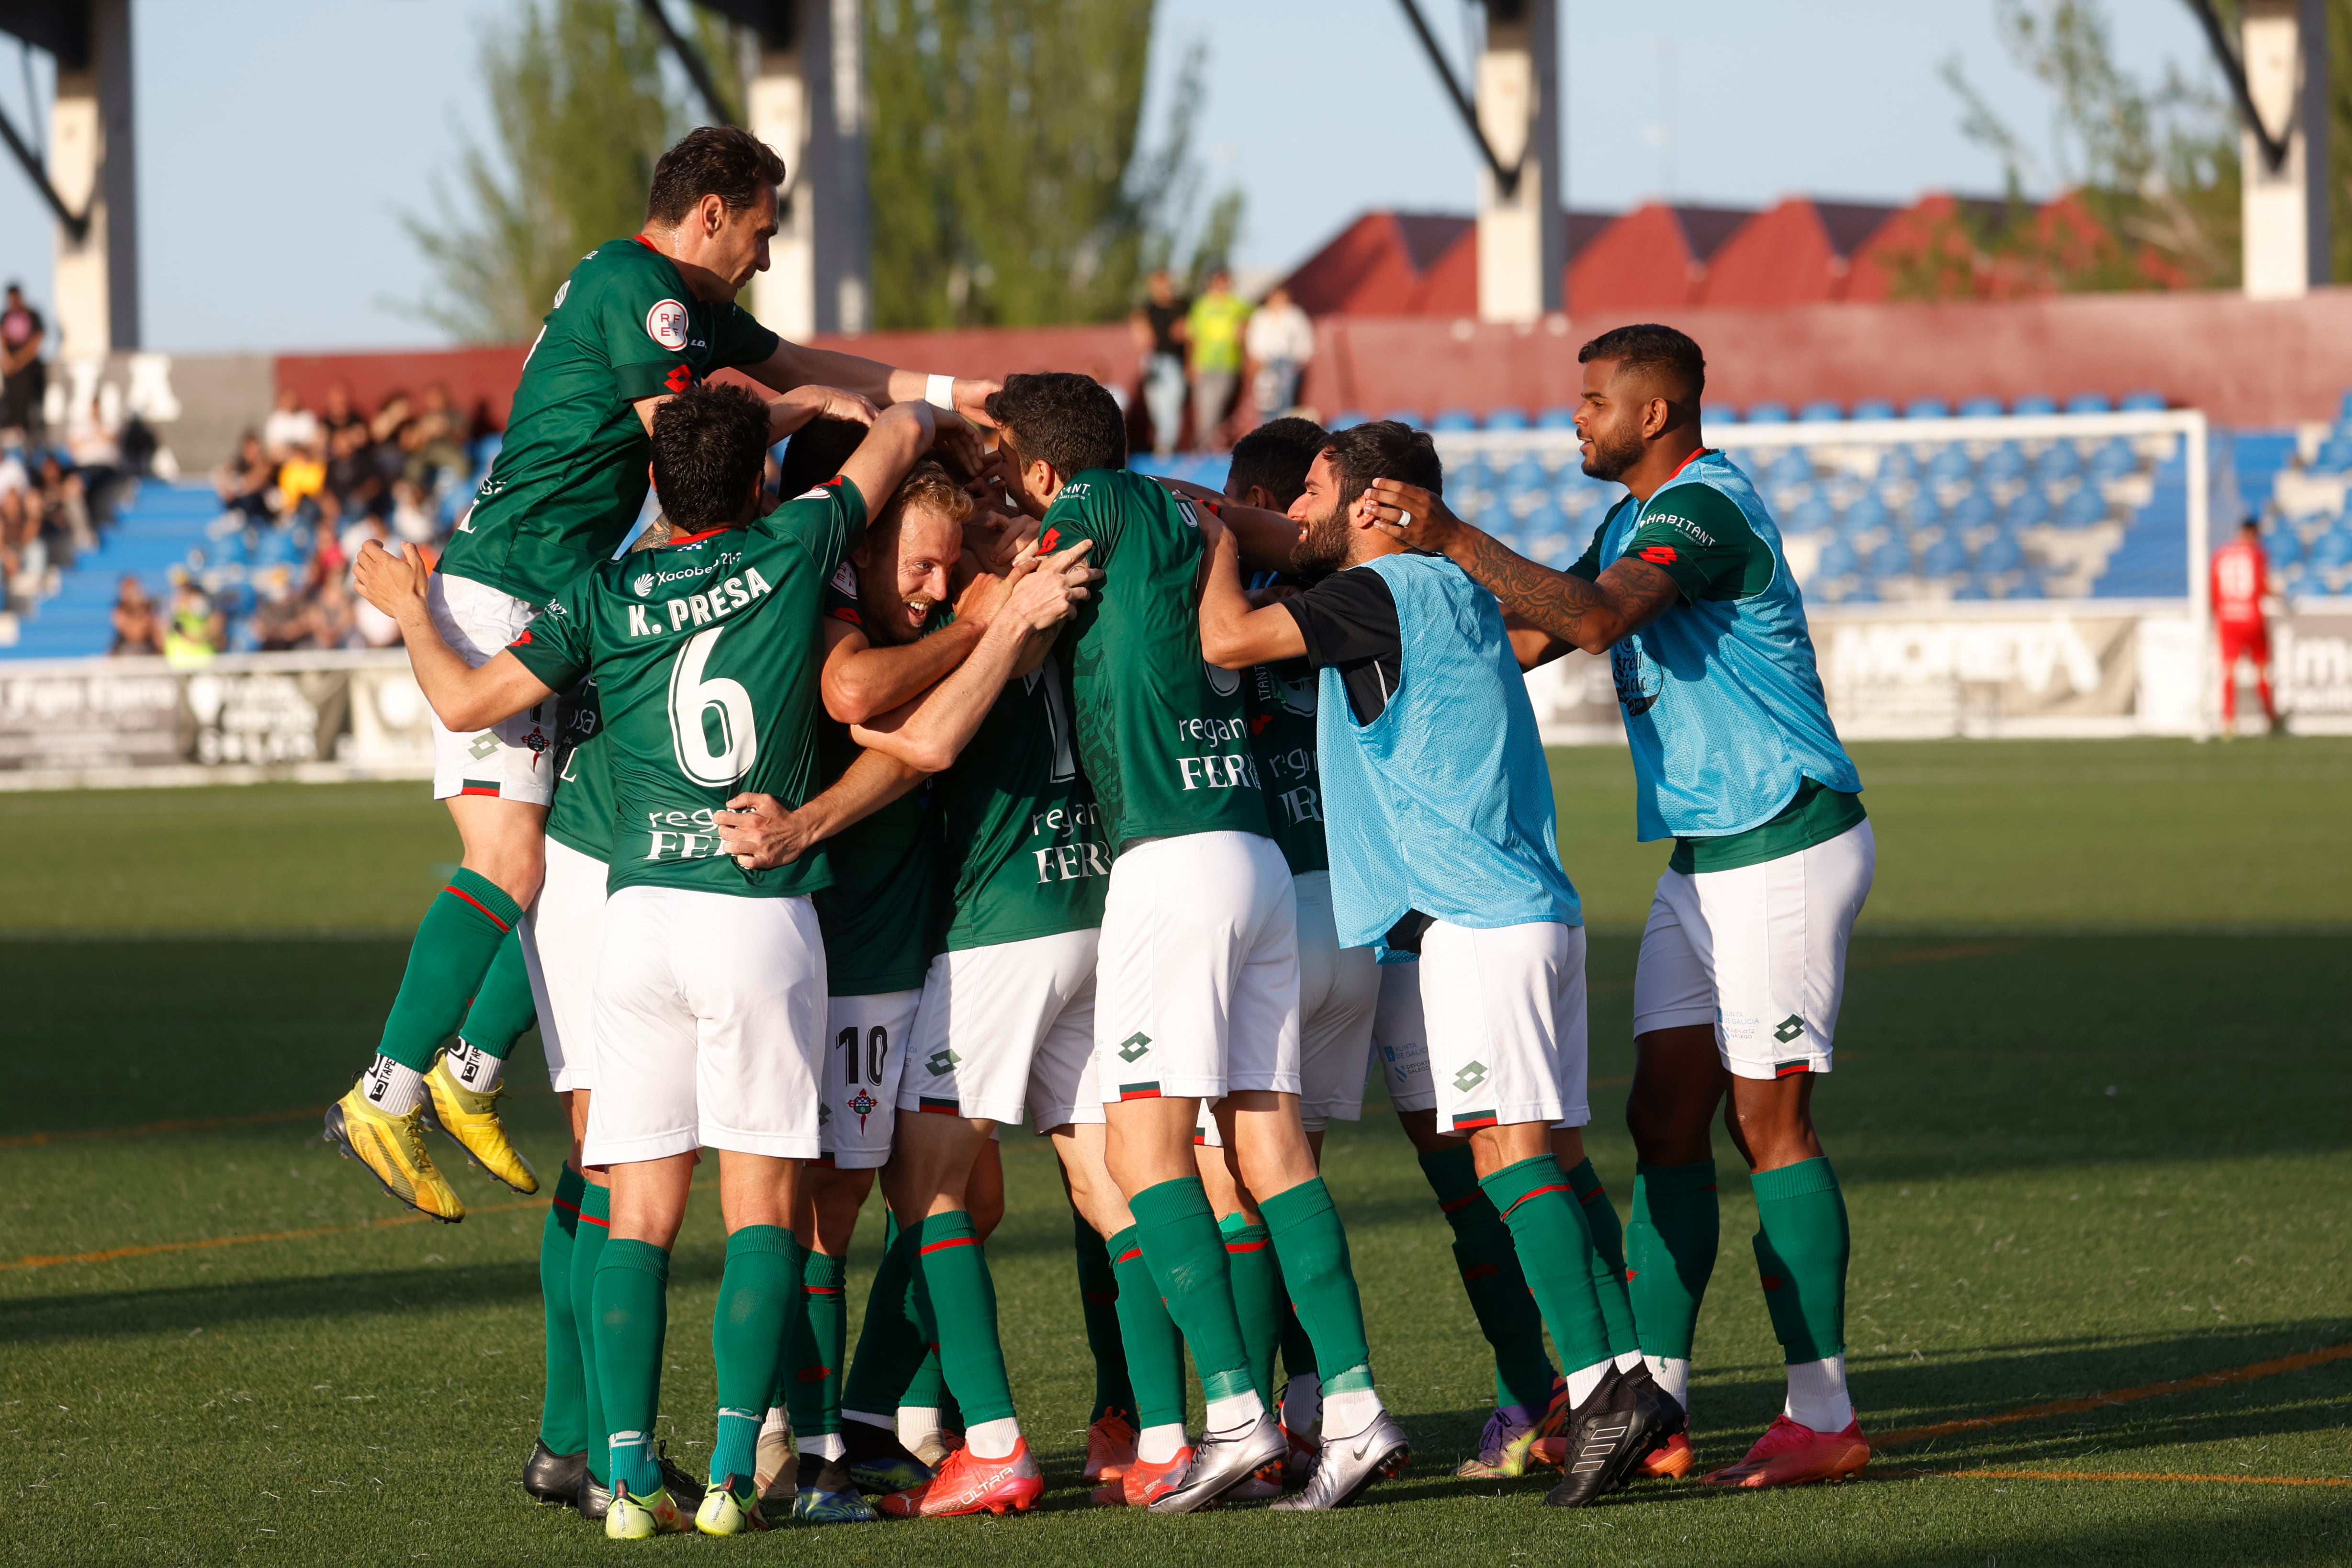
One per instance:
(2242, 585)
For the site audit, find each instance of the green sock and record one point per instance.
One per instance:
(1154, 1350)
(1801, 1247)
(1256, 1279)
(1670, 1253)
(1098, 1300)
(1555, 1248)
(1608, 1257)
(1313, 1248)
(758, 1296)
(953, 1282)
(890, 1349)
(587, 1251)
(454, 945)
(562, 1418)
(501, 1009)
(1187, 1257)
(811, 1369)
(631, 1315)
(1297, 1349)
(1492, 1278)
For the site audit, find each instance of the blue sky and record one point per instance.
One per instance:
(280, 139)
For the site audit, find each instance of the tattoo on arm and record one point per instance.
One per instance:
(1638, 592)
(1554, 601)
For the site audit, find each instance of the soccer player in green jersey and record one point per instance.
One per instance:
(640, 318)
(1197, 977)
(710, 986)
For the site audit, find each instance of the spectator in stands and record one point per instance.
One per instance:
(300, 476)
(290, 428)
(410, 520)
(1214, 334)
(338, 413)
(353, 473)
(196, 630)
(65, 505)
(1279, 341)
(333, 621)
(2241, 591)
(1160, 327)
(246, 480)
(434, 442)
(137, 630)
(23, 377)
(20, 529)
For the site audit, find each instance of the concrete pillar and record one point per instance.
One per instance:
(1521, 247)
(93, 166)
(807, 100)
(2284, 46)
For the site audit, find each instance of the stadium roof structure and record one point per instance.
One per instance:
(1801, 251)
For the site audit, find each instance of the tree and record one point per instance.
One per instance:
(1009, 182)
(583, 100)
(2149, 175)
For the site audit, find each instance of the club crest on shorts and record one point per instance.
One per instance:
(865, 1104)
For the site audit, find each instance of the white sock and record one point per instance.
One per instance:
(1232, 1411)
(884, 1422)
(1672, 1372)
(777, 1425)
(827, 1446)
(1302, 1402)
(1347, 1413)
(391, 1087)
(1158, 1445)
(476, 1067)
(1817, 1396)
(993, 1439)
(915, 1423)
(1583, 1381)
(1627, 1360)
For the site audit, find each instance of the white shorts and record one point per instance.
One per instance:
(563, 933)
(1339, 988)
(865, 1054)
(710, 1027)
(1196, 990)
(1760, 952)
(1006, 1030)
(1505, 1013)
(513, 760)
(1398, 1040)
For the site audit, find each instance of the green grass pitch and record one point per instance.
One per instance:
(2089, 1114)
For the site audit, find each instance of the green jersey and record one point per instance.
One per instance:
(1281, 706)
(706, 657)
(580, 815)
(1160, 734)
(570, 478)
(877, 916)
(1022, 833)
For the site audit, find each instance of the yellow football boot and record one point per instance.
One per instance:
(471, 1120)
(392, 1149)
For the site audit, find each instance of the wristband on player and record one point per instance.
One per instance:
(938, 391)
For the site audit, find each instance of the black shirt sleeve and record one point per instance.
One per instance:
(1348, 621)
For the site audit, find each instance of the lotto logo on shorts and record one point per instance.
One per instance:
(1135, 1045)
(485, 745)
(1471, 1076)
(941, 1060)
(1788, 1029)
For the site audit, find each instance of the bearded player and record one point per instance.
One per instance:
(1743, 959)
(641, 319)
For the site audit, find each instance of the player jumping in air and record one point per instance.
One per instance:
(1743, 962)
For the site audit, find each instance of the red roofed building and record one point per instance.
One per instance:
(1798, 253)
(1653, 258)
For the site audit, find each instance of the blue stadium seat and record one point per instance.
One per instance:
(1862, 593)
(1507, 418)
(2000, 554)
(1948, 557)
(2059, 460)
(1981, 408)
(1873, 408)
(2283, 546)
(1927, 408)
(1971, 589)
(2035, 402)
(2085, 509)
(2089, 403)
(2335, 456)
(1923, 511)
(1791, 468)
(1897, 463)
(1892, 559)
(1718, 414)
(1820, 410)
(1768, 413)
(2028, 587)
(2344, 408)
(1526, 474)
(1950, 463)
(1837, 560)
(2332, 549)
(2144, 402)
(1973, 509)
(1556, 417)
(1412, 417)
(2030, 510)
(1868, 512)
(2113, 461)
(1348, 418)
(2004, 463)
(1813, 515)
(1451, 419)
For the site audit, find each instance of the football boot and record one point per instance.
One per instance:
(1344, 1466)
(1608, 1435)
(1505, 1448)
(1789, 1455)
(392, 1149)
(1220, 1462)
(1110, 1446)
(551, 1477)
(472, 1121)
(828, 1495)
(970, 1484)
(879, 1464)
(634, 1517)
(731, 1507)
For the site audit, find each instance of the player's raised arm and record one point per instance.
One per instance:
(762, 833)
(464, 696)
(794, 364)
(1233, 634)
(1589, 614)
(1266, 537)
